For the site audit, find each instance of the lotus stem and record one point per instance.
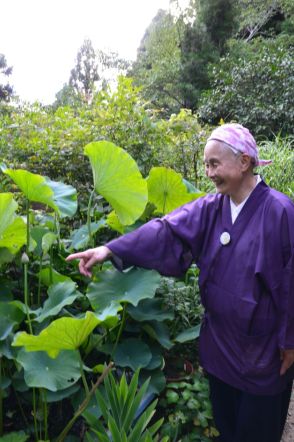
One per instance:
(35, 415)
(28, 224)
(83, 375)
(119, 331)
(39, 282)
(89, 216)
(44, 397)
(1, 400)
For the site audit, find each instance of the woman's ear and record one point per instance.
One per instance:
(246, 162)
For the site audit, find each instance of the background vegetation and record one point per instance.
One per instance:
(214, 61)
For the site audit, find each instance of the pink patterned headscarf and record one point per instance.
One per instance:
(239, 139)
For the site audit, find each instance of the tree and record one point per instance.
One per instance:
(203, 43)
(6, 90)
(253, 85)
(157, 67)
(94, 70)
(85, 73)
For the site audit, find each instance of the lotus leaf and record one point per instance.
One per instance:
(56, 277)
(10, 316)
(80, 238)
(59, 295)
(64, 196)
(149, 309)
(7, 210)
(33, 186)
(61, 334)
(15, 236)
(166, 189)
(188, 335)
(133, 353)
(14, 437)
(54, 374)
(160, 332)
(130, 287)
(118, 179)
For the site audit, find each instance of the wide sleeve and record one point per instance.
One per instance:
(286, 292)
(167, 244)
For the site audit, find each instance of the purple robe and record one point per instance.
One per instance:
(246, 286)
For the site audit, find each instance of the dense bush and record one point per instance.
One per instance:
(253, 85)
(280, 174)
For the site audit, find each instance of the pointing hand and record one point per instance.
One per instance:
(90, 257)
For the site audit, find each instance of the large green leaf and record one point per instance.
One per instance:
(132, 353)
(47, 241)
(33, 186)
(64, 196)
(7, 210)
(14, 236)
(118, 179)
(56, 277)
(10, 316)
(61, 334)
(188, 335)
(80, 237)
(59, 295)
(130, 287)
(157, 381)
(14, 437)
(158, 331)
(149, 309)
(37, 234)
(54, 374)
(57, 396)
(166, 189)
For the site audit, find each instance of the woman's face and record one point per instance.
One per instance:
(223, 167)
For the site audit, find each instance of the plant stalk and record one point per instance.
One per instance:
(1, 399)
(83, 375)
(89, 217)
(45, 411)
(35, 415)
(28, 224)
(39, 282)
(26, 296)
(119, 331)
(84, 404)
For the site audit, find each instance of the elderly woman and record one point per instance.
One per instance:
(242, 240)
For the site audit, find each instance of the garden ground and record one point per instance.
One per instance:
(288, 435)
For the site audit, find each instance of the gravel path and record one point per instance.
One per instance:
(288, 435)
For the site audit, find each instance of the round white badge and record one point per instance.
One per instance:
(225, 238)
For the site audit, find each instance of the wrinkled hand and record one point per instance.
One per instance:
(90, 257)
(287, 358)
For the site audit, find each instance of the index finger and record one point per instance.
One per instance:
(79, 255)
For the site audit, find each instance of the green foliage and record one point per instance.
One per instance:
(59, 327)
(184, 299)
(6, 90)
(188, 408)
(166, 190)
(118, 179)
(203, 42)
(114, 287)
(253, 85)
(280, 173)
(53, 374)
(157, 68)
(119, 405)
(84, 75)
(15, 437)
(61, 334)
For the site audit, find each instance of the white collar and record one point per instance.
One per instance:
(236, 208)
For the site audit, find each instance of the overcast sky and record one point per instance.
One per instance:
(41, 38)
